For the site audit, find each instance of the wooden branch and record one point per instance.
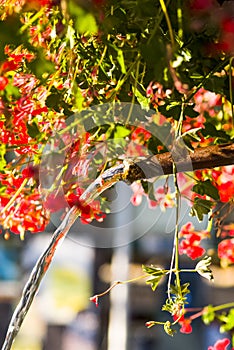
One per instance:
(201, 158)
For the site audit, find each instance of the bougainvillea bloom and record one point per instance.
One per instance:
(221, 344)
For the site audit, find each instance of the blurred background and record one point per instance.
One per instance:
(89, 260)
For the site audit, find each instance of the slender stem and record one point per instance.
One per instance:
(134, 92)
(158, 21)
(215, 308)
(164, 8)
(223, 306)
(231, 89)
(180, 20)
(177, 271)
(32, 19)
(171, 271)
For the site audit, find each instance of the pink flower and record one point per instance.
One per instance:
(221, 344)
(185, 185)
(138, 192)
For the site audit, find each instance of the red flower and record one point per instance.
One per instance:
(3, 83)
(94, 299)
(26, 212)
(186, 327)
(185, 323)
(190, 241)
(140, 135)
(224, 182)
(9, 66)
(221, 344)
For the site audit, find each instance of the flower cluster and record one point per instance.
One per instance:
(226, 251)
(190, 241)
(22, 210)
(163, 197)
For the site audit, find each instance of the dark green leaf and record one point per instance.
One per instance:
(149, 189)
(211, 131)
(53, 101)
(201, 207)
(33, 130)
(206, 188)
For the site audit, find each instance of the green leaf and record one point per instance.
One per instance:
(143, 100)
(33, 130)
(156, 274)
(206, 188)
(229, 322)
(85, 22)
(173, 109)
(154, 281)
(183, 289)
(153, 270)
(149, 189)
(121, 132)
(12, 92)
(201, 207)
(168, 329)
(209, 315)
(41, 66)
(2, 188)
(120, 59)
(53, 101)
(211, 131)
(2, 157)
(190, 112)
(78, 99)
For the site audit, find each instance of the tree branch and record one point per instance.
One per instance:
(162, 164)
